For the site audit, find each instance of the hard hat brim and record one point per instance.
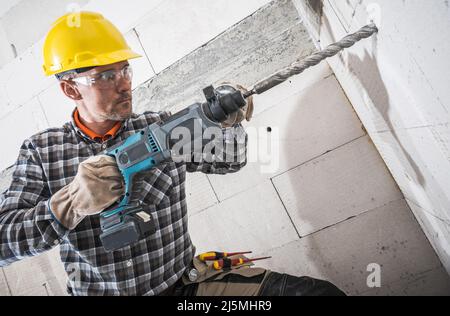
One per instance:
(99, 60)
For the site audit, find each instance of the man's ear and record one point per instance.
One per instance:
(70, 90)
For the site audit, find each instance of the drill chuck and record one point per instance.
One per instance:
(222, 102)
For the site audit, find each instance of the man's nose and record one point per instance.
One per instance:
(123, 84)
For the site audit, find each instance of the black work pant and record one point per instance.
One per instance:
(267, 284)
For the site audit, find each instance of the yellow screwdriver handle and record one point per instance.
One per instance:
(217, 265)
(205, 255)
(213, 255)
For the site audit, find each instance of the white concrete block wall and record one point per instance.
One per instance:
(306, 189)
(176, 28)
(7, 5)
(428, 283)
(142, 67)
(56, 106)
(398, 84)
(41, 276)
(319, 132)
(22, 79)
(200, 194)
(253, 220)
(388, 236)
(125, 15)
(19, 125)
(21, 26)
(327, 213)
(4, 288)
(6, 51)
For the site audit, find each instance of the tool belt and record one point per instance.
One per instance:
(202, 279)
(205, 280)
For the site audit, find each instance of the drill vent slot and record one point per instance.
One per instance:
(152, 143)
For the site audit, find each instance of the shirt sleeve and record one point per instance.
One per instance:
(27, 227)
(229, 154)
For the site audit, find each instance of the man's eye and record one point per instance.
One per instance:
(107, 76)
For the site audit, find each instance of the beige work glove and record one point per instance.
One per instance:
(245, 113)
(97, 185)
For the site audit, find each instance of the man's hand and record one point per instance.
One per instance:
(97, 185)
(245, 113)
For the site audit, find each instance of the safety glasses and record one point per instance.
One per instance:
(107, 79)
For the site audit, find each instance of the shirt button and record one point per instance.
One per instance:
(129, 263)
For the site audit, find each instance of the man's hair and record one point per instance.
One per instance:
(67, 74)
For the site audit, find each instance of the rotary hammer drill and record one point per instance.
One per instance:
(126, 222)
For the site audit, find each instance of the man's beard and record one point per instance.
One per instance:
(121, 112)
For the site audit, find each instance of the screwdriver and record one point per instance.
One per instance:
(227, 263)
(219, 255)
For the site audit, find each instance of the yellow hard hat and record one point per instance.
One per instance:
(83, 39)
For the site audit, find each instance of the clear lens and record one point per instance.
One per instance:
(127, 73)
(107, 76)
(107, 79)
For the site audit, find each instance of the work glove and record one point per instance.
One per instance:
(97, 185)
(245, 113)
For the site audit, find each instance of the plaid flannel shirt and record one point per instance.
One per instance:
(49, 161)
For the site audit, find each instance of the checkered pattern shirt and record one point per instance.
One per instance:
(49, 161)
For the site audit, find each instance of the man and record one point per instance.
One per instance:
(61, 183)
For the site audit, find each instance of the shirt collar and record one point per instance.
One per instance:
(91, 134)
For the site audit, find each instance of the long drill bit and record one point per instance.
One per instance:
(300, 66)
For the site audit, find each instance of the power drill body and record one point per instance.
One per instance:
(126, 223)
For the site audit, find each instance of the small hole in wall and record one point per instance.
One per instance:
(14, 50)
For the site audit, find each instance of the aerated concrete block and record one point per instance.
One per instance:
(28, 21)
(388, 236)
(125, 15)
(419, 167)
(6, 51)
(199, 193)
(4, 288)
(23, 78)
(30, 274)
(253, 49)
(56, 105)
(432, 283)
(7, 5)
(304, 126)
(31, 120)
(436, 229)
(251, 220)
(174, 28)
(346, 182)
(142, 70)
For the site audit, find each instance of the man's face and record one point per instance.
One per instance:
(100, 104)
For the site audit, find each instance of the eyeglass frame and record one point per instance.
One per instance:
(89, 80)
